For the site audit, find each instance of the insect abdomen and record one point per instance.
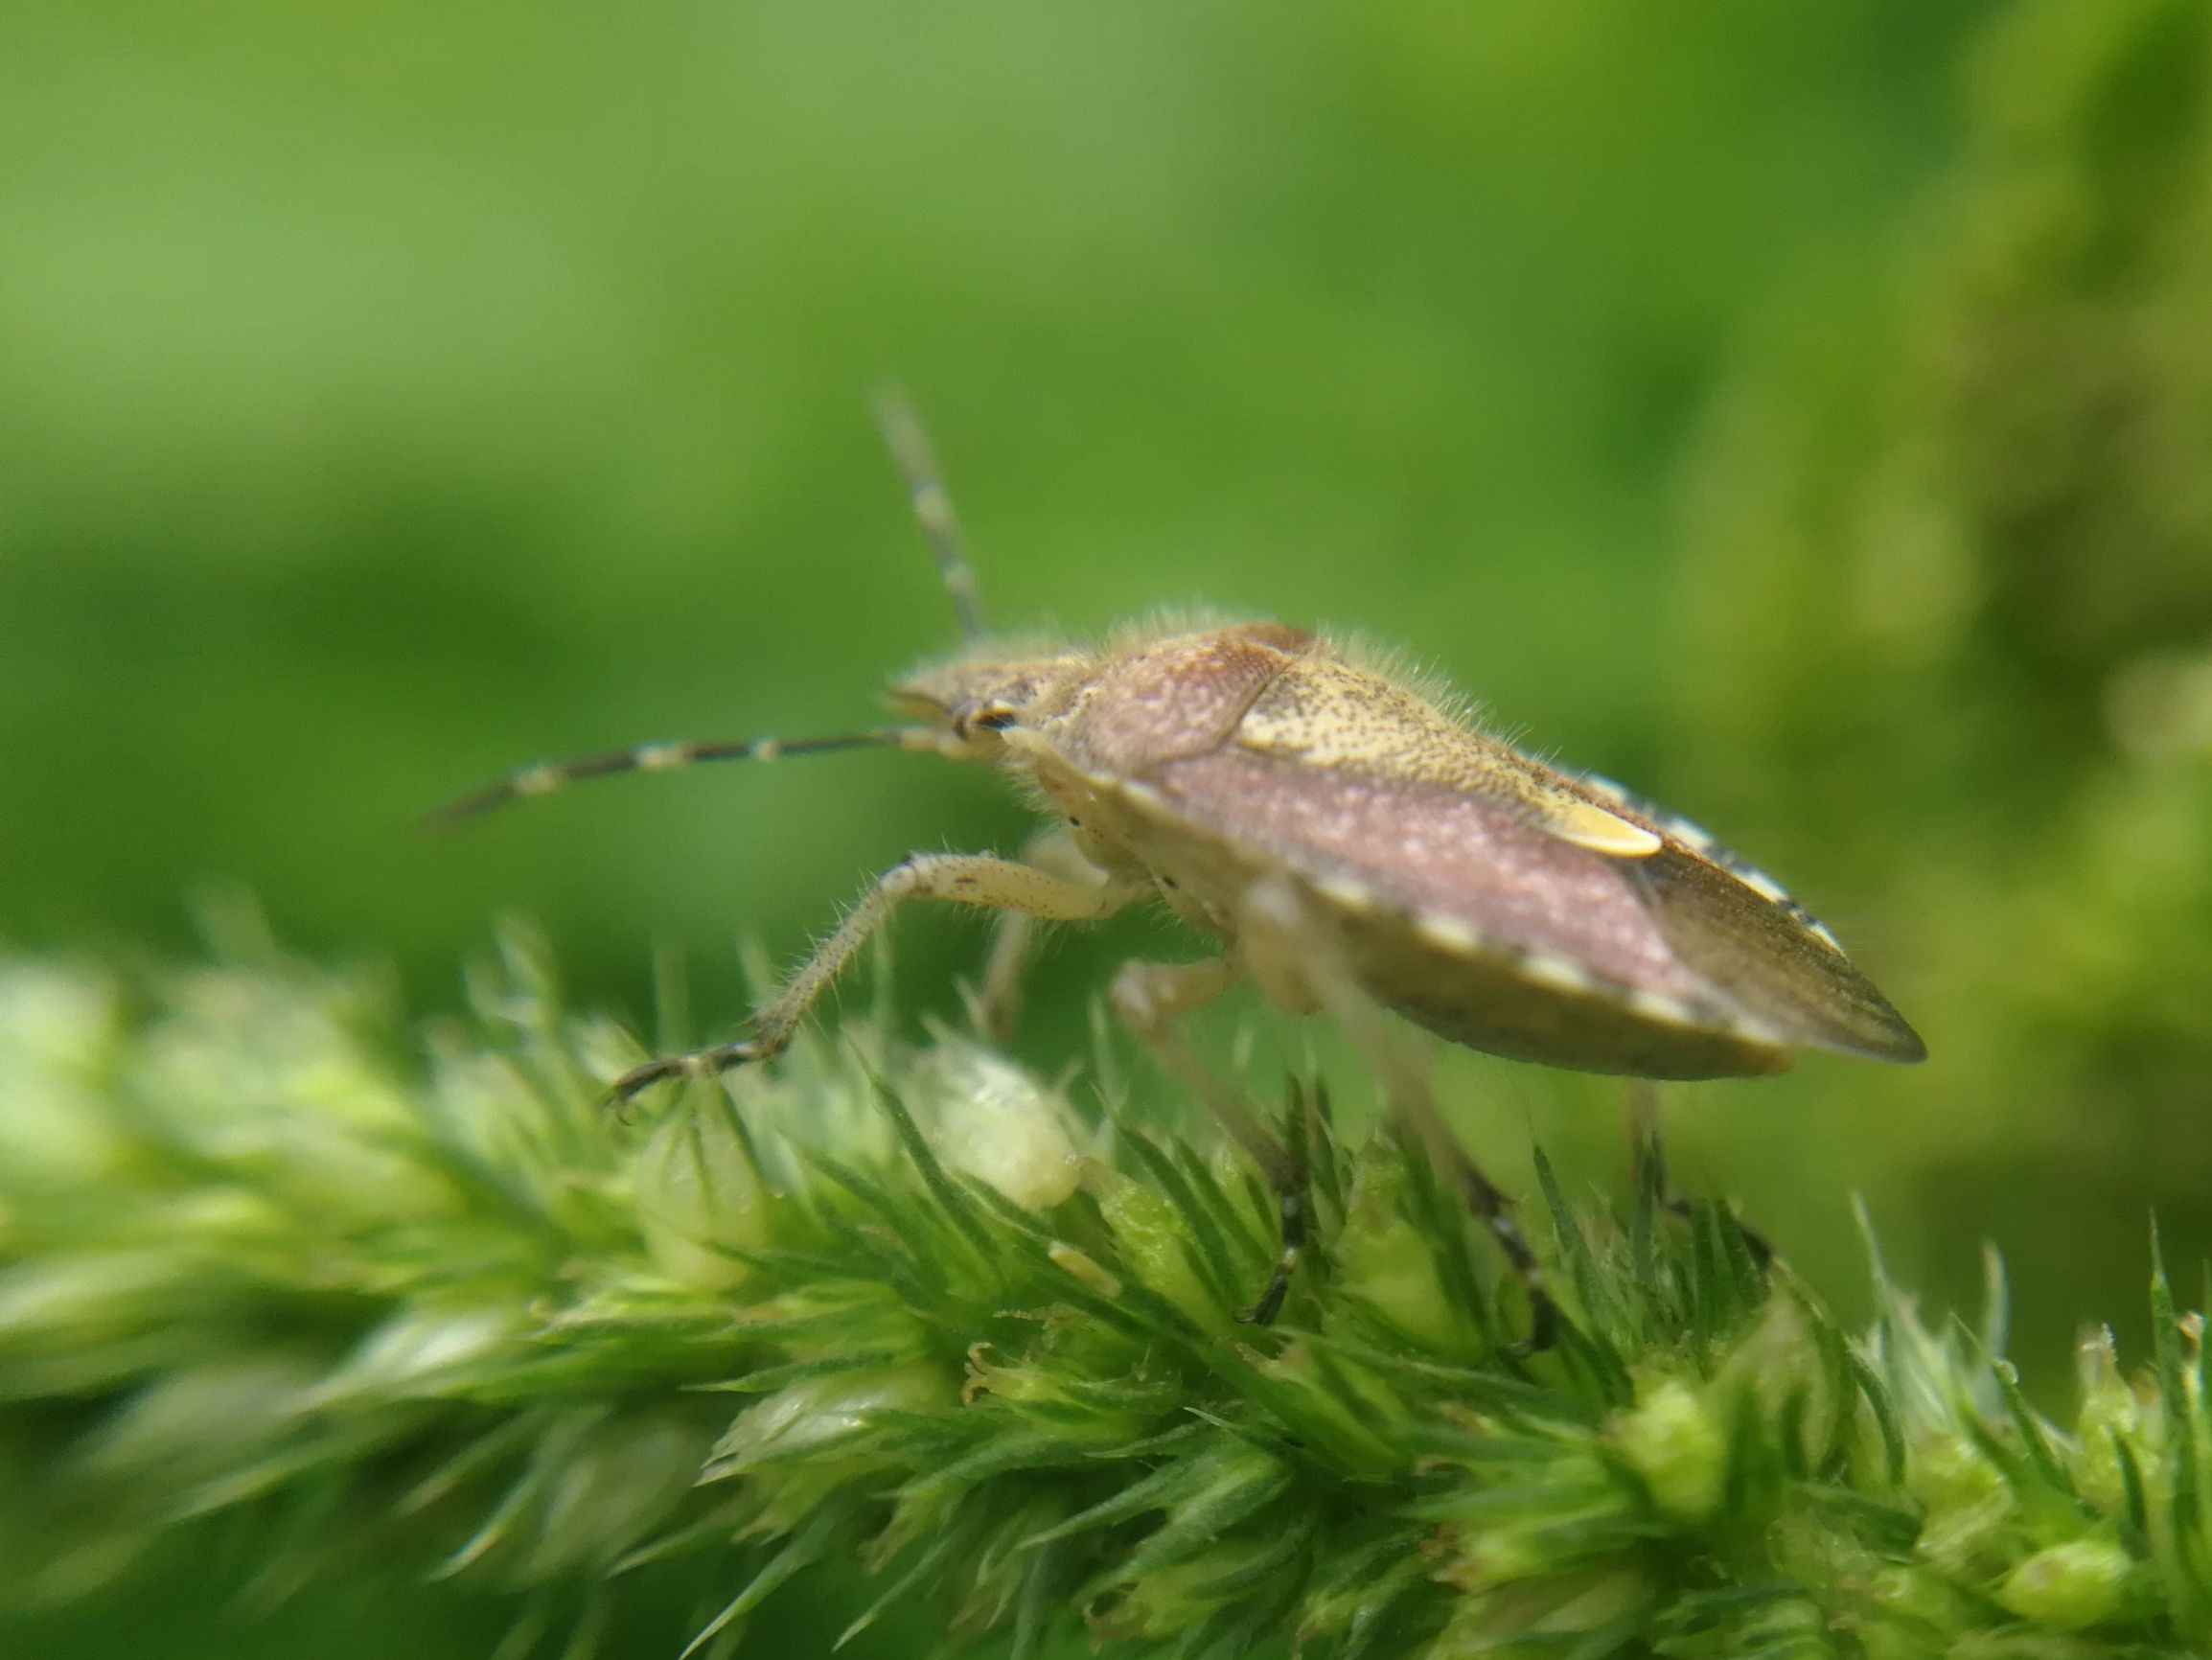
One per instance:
(1528, 1006)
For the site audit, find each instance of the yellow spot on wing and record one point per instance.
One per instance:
(1589, 825)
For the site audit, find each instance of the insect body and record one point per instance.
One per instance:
(1349, 843)
(1498, 901)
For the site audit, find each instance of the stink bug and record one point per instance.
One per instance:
(1354, 842)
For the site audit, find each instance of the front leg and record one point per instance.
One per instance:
(994, 1009)
(954, 878)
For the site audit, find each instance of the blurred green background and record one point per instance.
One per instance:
(1802, 412)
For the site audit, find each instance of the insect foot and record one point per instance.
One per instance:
(698, 1064)
(1291, 1214)
(1543, 1311)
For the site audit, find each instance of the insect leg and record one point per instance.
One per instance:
(917, 463)
(1646, 1149)
(1285, 943)
(1150, 997)
(993, 1009)
(1647, 1167)
(958, 879)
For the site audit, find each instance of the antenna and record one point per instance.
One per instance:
(917, 463)
(548, 776)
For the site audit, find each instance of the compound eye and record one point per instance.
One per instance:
(994, 717)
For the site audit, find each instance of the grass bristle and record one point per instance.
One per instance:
(260, 1269)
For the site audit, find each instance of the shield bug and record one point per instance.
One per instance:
(1353, 842)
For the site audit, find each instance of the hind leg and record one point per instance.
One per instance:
(1647, 1166)
(1297, 959)
(1647, 1147)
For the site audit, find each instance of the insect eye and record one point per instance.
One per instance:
(992, 718)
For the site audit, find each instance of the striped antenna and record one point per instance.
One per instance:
(917, 463)
(548, 776)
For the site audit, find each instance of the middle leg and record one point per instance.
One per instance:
(1150, 997)
(1298, 959)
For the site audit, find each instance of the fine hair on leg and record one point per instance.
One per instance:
(950, 878)
(996, 1005)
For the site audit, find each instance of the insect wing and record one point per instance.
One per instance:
(1461, 863)
(1761, 954)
